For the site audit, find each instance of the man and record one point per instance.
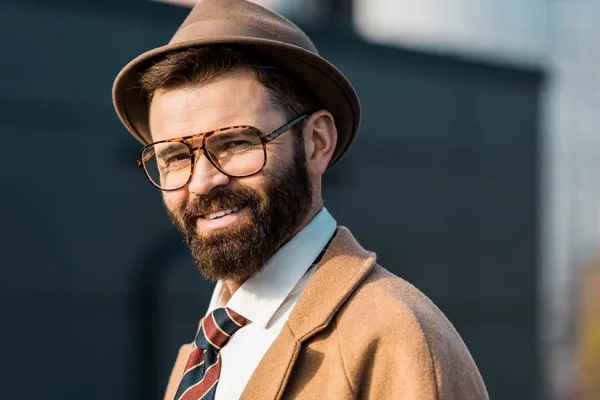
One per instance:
(240, 118)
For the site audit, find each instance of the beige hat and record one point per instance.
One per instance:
(240, 22)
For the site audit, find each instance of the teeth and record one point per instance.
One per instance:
(219, 214)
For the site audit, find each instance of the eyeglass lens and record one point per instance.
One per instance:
(235, 152)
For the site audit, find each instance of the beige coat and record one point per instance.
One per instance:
(360, 332)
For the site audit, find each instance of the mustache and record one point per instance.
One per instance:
(220, 200)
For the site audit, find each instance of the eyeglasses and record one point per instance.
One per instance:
(236, 151)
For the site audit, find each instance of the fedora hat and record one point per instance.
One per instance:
(247, 24)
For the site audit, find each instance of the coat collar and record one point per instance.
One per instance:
(344, 266)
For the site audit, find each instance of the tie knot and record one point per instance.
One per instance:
(218, 327)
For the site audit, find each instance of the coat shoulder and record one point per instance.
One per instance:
(388, 301)
(405, 331)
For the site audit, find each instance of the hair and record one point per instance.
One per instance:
(200, 66)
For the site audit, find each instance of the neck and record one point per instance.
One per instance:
(234, 284)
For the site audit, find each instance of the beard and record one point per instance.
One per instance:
(275, 213)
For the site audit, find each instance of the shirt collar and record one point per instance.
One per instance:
(259, 298)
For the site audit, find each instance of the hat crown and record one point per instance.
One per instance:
(247, 24)
(239, 18)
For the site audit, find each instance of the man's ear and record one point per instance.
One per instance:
(320, 138)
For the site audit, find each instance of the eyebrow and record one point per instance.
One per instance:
(228, 134)
(166, 151)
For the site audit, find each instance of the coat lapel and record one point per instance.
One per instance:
(344, 266)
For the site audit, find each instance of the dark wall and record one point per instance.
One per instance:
(96, 286)
(442, 184)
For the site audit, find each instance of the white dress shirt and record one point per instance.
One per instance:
(267, 300)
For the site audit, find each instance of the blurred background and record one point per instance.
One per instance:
(476, 177)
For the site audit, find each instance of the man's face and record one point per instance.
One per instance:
(262, 211)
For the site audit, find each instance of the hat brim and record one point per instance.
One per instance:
(328, 84)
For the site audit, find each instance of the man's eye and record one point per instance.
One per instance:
(237, 144)
(176, 160)
(178, 157)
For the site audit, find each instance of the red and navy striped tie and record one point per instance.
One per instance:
(203, 368)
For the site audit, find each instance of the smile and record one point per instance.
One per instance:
(222, 218)
(221, 213)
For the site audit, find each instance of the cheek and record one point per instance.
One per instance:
(280, 150)
(276, 162)
(175, 201)
(254, 182)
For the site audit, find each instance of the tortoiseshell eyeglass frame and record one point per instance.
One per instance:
(264, 138)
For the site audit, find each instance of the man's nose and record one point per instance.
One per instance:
(206, 177)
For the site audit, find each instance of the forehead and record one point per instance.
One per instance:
(236, 99)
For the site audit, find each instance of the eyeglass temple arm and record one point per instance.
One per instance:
(284, 128)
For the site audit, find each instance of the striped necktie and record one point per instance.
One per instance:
(203, 368)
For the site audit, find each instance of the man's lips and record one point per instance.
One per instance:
(220, 213)
(221, 219)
